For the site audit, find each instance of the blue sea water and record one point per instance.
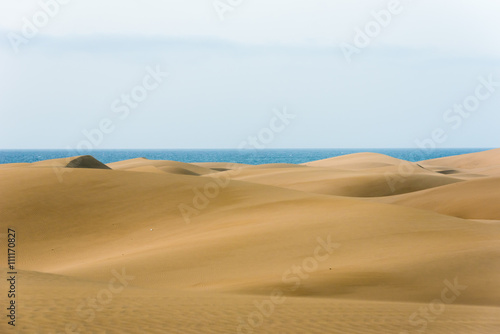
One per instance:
(253, 157)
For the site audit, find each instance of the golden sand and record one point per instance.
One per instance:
(363, 243)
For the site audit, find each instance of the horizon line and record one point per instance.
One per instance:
(256, 149)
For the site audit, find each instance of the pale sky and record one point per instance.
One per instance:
(226, 78)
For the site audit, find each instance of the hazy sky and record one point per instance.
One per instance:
(350, 73)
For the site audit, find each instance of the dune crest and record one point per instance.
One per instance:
(83, 161)
(86, 161)
(167, 166)
(357, 161)
(468, 161)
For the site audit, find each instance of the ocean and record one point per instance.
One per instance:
(252, 157)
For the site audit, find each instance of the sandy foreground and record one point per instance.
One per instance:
(363, 243)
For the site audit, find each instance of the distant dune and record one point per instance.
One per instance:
(357, 161)
(84, 161)
(362, 243)
(173, 167)
(483, 163)
(469, 161)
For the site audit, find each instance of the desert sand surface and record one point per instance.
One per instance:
(363, 243)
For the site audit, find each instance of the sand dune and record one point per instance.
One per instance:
(474, 199)
(276, 165)
(357, 161)
(468, 161)
(173, 167)
(482, 163)
(221, 166)
(84, 161)
(200, 248)
(332, 181)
